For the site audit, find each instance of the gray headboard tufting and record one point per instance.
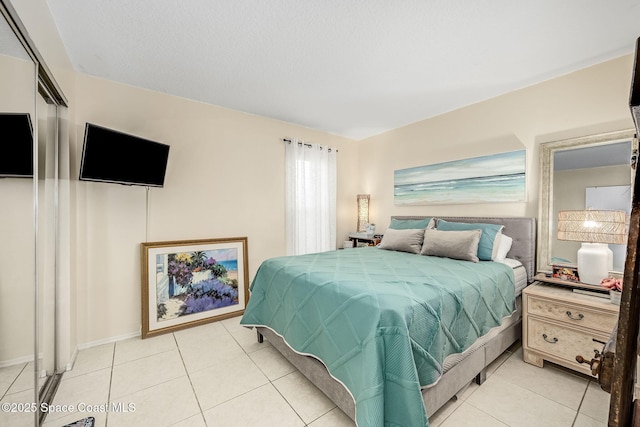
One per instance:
(521, 230)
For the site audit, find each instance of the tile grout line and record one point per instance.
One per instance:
(241, 394)
(462, 401)
(144, 357)
(544, 396)
(322, 415)
(231, 398)
(577, 411)
(581, 402)
(6, 393)
(269, 379)
(481, 410)
(288, 403)
(113, 361)
(265, 374)
(190, 382)
(112, 365)
(272, 383)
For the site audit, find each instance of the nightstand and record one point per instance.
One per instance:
(559, 324)
(364, 239)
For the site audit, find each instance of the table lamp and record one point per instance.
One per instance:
(363, 212)
(595, 229)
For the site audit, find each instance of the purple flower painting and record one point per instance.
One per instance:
(196, 281)
(192, 282)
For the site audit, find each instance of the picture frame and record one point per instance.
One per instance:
(566, 272)
(188, 283)
(494, 178)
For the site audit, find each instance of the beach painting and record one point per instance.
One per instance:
(488, 179)
(188, 283)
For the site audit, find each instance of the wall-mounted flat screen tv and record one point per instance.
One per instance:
(16, 160)
(116, 157)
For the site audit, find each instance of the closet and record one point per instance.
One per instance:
(34, 225)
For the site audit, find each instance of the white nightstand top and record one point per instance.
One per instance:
(361, 235)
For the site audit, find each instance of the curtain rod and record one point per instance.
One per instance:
(306, 145)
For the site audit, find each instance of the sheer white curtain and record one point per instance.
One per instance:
(310, 198)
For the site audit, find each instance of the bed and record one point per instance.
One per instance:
(388, 346)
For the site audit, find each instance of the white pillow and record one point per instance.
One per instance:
(458, 244)
(407, 240)
(504, 246)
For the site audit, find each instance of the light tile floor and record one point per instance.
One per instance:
(218, 375)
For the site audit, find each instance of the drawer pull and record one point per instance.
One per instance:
(570, 316)
(550, 341)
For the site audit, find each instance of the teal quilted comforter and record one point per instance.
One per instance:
(382, 322)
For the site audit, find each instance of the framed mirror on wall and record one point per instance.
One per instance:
(580, 174)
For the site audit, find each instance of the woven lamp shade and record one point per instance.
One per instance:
(363, 212)
(593, 226)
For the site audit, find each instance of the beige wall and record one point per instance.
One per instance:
(225, 178)
(589, 101)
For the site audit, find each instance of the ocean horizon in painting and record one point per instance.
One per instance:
(493, 178)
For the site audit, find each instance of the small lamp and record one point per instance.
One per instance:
(363, 212)
(595, 229)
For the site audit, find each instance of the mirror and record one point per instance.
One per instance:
(46, 239)
(581, 173)
(34, 279)
(17, 254)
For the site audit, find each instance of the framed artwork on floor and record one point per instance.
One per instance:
(192, 282)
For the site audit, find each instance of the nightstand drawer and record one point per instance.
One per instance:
(572, 314)
(563, 342)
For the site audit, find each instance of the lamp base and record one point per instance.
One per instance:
(595, 260)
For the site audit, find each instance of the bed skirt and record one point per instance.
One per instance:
(471, 365)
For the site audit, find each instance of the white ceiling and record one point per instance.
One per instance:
(354, 68)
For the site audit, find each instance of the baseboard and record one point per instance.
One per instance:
(69, 366)
(109, 340)
(97, 343)
(16, 361)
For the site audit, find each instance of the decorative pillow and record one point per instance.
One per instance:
(403, 224)
(408, 240)
(504, 246)
(488, 246)
(461, 244)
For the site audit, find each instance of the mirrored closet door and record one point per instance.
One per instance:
(31, 107)
(46, 240)
(18, 380)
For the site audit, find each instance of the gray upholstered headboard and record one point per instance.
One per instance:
(521, 230)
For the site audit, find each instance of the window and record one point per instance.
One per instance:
(310, 198)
